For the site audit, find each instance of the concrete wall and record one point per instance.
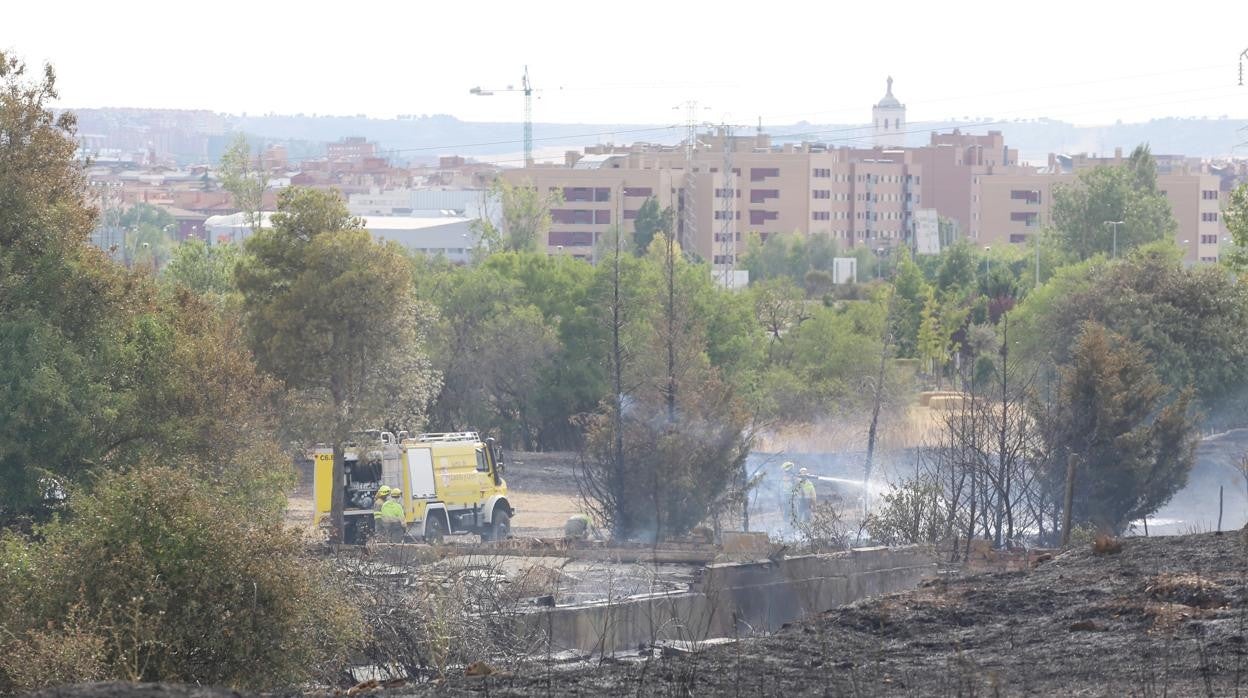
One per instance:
(733, 600)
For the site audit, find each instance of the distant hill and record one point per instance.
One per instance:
(201, 135)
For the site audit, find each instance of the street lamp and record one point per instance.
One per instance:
(987, 262)
(1114, 225)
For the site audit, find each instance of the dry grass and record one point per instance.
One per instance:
(1187, 589)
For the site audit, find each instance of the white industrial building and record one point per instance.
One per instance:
(451, 236)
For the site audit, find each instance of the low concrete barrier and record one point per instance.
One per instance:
(733, 600)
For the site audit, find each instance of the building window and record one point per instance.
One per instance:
(1209, 217)
(727, 193)
(638, 191)
(571, 194)
(758, 196)
(1208, 239)
(602, 217)
(630, 214)
(1018, 237)
(1209, 195)
(1028, 218)
(821, 194)
(820, 216)
(760, 217)
(573, 216)
(602, 194)
(758, 174)
(723, 259)
(571, 238)
(822, 173)
(1030, 196)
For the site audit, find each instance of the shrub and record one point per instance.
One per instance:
(157, 576)
(913, 512)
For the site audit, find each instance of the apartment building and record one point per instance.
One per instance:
(727, 186)
(731, 186)
(1011, 208)
(598, 191)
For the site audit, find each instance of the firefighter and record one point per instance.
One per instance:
(381, 498)
(378, 501)
(391, 516)
(804, 494)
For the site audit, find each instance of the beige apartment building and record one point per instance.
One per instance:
(729, 186)
(1010, 208)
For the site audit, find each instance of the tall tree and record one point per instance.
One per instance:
(1125, 194)
(331, 313)
(526, 217)
(652, 221)
(98, 369)
(1132, 448)
(245, 181)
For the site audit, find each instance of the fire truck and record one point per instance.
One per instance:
(451, 483)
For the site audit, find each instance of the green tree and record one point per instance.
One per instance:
(911, 293)
(332, 314)
(956, 274)
(652, 221)
(205, 269)
(1132, 450)
(1101, 195)
(1236, 217)
(792, 255)
(526, 217)
(1192, 322)
(98, 370)
(243, 180)
(933, 344)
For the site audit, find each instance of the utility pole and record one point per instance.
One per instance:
(528, 118)
(727, 213)
(688, 214)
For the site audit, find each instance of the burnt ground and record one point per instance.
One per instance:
(1161, 616)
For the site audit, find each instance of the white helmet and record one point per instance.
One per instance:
(803, 472)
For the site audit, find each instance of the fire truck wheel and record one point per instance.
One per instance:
(501, 528)
(435, 527)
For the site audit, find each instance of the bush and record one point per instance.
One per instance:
(156, 576)
(913, 512)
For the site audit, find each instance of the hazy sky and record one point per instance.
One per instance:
(1088, 62)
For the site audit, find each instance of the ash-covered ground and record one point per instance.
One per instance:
(1161, 616)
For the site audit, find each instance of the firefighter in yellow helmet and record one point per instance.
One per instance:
(392, 517)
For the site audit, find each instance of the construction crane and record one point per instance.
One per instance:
(527, 88)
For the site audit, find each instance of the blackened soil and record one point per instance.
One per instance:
(1164, 616)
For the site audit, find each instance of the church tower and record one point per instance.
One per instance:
(889, 119)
